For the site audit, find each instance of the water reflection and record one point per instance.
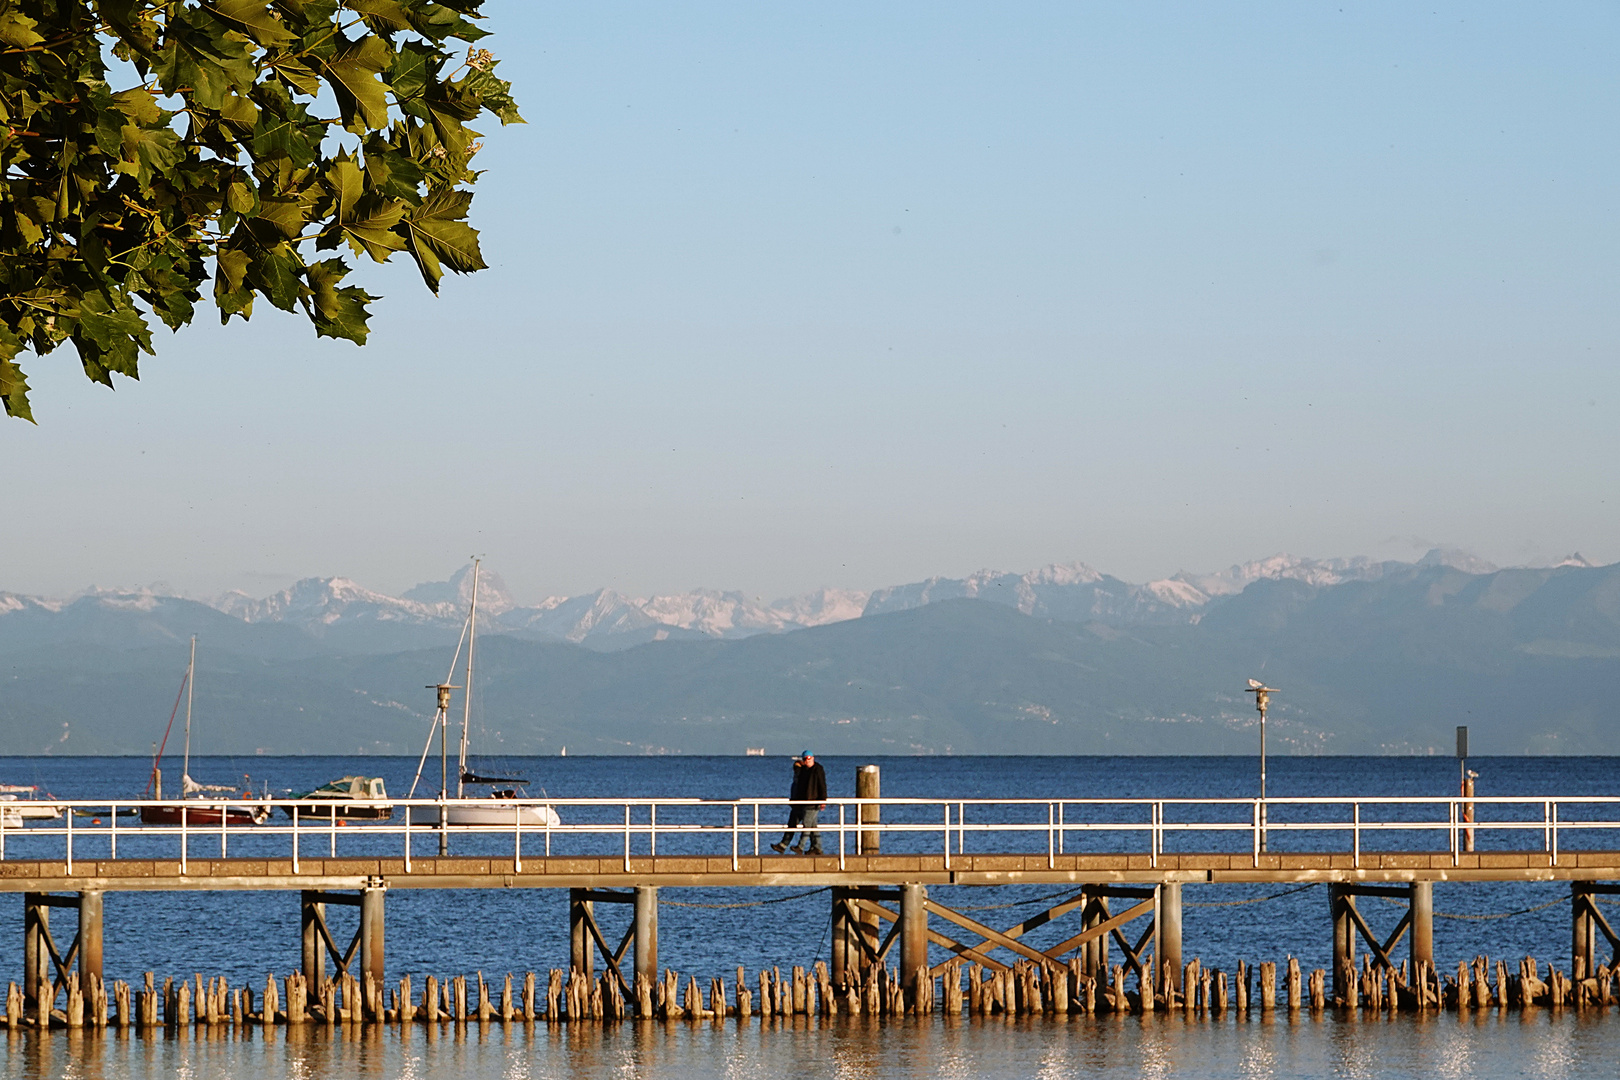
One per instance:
(1481, 1044)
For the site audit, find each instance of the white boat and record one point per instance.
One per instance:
(501, 805)
(15, 811)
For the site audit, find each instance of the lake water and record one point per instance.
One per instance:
(244, 935)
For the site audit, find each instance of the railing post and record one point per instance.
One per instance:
(69, 820)
(840, 837)
(1257, 834)
(1060, 826)
(1355, 834)
(1552, 814)
(1051, 848)
(627, 838)
(735, 840)
(183, 838)
(1451, 805)
(947, 836)
(224, 819)
(652, 829)
(112, 829)
(517, 840)
(332, 827)
(295, 837)
(407, 832)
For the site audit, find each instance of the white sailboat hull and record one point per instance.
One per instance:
(491, 812)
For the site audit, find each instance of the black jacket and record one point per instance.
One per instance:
(809, 783)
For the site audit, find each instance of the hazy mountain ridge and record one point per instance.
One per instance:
(1530, 659)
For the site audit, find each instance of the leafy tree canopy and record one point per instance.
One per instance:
(150, 147)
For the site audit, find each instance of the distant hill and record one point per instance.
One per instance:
(1385, 662)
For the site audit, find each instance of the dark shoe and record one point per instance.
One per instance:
(816, 851)
(778, 847)
(796, 849)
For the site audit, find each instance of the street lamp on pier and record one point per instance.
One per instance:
(1262, 697)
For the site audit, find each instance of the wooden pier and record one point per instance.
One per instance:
(1126, 904)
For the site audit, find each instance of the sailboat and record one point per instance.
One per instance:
(201, 814)
(495, 808)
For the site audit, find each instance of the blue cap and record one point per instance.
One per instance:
(806, 753)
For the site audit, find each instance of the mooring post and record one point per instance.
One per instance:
(646, 917)
(1340, 904)
(1169, 932)
(371, 935)
(312, 913)
(913, 934)
(868, 785)
(1422, 909)
(90, 909)
(36, 957)
(579, 934)
(1583, 930)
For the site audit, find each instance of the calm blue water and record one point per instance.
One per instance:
(244, 935)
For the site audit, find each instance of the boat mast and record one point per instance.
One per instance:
(466, 699)
(191, 681)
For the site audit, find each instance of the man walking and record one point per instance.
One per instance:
(809, 795)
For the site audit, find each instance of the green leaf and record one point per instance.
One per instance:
(18, 30)
(353, 73)
(338, 313)
(13, 383)
(252, 16)
(439, 235)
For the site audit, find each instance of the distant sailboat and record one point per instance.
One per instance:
(496, 808)
(202, 814)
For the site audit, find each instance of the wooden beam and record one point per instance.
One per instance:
(934, 936)
(1380, 950)
(983, 931)
(1134, 912)
(1603, 925)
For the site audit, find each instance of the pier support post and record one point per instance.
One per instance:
(913, 934)
(36, 956)
(1422, 922)
(1583, 930)
(312, 914)
(1168, 932)
(868, 785)
(371, 935)
(1094, 958)
(90, 909)
(579, 934)
(1341, 903)
(841, 931)
(646, 920)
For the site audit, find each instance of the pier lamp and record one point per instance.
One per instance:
(1262, 697)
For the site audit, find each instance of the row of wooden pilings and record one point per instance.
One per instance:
(1025, 989)
(858, 981)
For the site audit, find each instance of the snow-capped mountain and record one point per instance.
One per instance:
(337, 609)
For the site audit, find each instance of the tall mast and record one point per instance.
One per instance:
(466, 700)
(191, 681)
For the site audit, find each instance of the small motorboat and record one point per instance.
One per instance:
(348, 797)
(16, 809)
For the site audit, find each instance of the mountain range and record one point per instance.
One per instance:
(1372, 657)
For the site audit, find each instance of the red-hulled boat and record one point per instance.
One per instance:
(192, 810)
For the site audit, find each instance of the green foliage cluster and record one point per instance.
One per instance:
(118, 202)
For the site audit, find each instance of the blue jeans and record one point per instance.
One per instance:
(803, 820)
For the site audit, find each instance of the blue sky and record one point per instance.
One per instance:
(791, 295)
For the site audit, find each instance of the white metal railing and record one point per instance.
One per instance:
(1034, 825)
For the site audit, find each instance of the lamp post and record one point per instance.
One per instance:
(1262, 697)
